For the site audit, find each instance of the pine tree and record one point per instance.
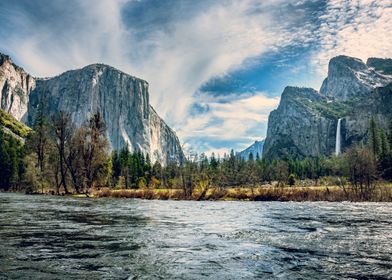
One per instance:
(385, 146)
(213, 162)
(374, 139)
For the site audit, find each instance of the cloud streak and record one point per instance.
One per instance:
(233, 118)
(178, 46)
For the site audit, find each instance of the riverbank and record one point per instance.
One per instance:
(381, 193)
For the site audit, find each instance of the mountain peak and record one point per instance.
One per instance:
(350, 77)
(256, 149)
(383, 65)
(4, 57)
(292, 93)
(347, 61)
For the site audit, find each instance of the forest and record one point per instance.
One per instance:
(58, 158)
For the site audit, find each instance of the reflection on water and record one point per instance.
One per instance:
(45, 237)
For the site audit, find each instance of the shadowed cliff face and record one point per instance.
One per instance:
(121, 99)
(299, 127)
(15, 87)
(377, 105)
(304, 124)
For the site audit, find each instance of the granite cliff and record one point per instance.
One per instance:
(121, 99)
(349, 78)
(15, 86)
(305, 122)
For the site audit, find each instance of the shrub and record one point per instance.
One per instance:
(291, 180)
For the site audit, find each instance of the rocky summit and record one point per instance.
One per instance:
(256, 149)
(350, 77)
(121, 99)
(305, 122)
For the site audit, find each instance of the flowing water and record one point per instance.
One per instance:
(48, 237)
(338, 145)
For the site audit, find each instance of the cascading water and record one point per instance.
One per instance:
(338, 138)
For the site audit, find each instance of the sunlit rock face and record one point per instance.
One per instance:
(305, 122)
(15, 87)
(121, 99)
(164, 145)
(349, 77)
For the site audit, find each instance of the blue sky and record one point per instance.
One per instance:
(215, 68)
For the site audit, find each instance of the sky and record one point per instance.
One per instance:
(216, 68)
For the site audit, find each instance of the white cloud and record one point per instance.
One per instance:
(208, 45)
(92, 31)
(358, 28)
(176, 61)
(239, 120)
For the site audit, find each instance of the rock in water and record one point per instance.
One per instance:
(121, 99)
(349, 77)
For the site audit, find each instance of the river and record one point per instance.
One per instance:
(49, 237)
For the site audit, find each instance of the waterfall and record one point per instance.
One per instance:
(338, 139)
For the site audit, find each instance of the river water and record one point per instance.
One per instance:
(49, 237)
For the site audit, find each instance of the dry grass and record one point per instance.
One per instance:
(163, 194)
(382, 193)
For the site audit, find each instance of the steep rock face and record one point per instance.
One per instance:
(255, 149)
(301, 125)
(305, 122)
(349, 77)
(15, 87)
(377, 105)
(121, 99)
(163, 146)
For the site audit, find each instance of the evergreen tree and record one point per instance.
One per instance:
(213, 162)
(374, 139)
(11, 156)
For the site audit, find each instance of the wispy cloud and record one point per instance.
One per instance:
(49, 37)
(358, 28)
(178, 46)
(210, 44)
(238, 119)
(176, 60)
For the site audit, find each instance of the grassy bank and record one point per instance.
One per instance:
(382, 193)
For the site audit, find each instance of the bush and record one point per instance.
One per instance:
(120, 183)
(291, 180)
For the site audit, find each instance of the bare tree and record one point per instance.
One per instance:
(63, 131)
(93, 148)
(73, 161)
(362, 171)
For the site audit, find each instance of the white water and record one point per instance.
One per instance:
(338, 139)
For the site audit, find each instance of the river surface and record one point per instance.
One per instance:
(49, 237)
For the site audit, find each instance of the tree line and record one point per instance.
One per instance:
(56, 155)
(61, 158)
